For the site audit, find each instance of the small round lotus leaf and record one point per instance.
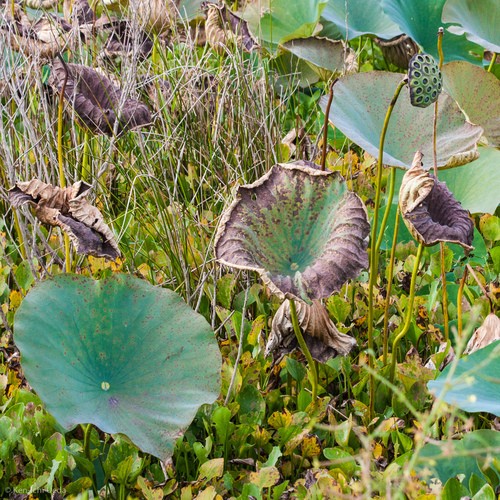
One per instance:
(300, 228)
(424, 80)
(118, 353)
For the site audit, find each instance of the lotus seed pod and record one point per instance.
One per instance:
(424, 80)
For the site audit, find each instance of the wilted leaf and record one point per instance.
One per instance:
(487, 333)
(398, 50)
(299, 145)
(430, 211)
(68, 209)
(78, 10)
(155, 15)
(360, 102)
(300, 228)
(97, 101)
(130, 358)
(323, 339)
(126, 40)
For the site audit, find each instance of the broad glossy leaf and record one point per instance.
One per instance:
(119, 353)
(300, 228)
(475, 384)
(360, 102)
(477, 92)
(479, 21)
(360, 18)
(421, 21)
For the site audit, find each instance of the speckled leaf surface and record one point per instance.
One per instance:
(300, 228)
(421, 21)
(358, 109)
(477, 92)
(478, 20)
(119, 353)
(474, 384)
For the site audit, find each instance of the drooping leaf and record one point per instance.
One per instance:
(70, 210)
(487, 333)
(360, 102)
(126, 40)
(475, 383)
(479, 21)
(421, 21)
(477, 92)
(398, 50)
(300, 228)
(119, 353)
(97, 101)
(430, 211)
(323, 339)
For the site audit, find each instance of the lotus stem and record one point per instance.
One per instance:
(85, 173)
(459, 302)
(305, 350)
(325, 126)
(373, 243)
(492, 62)
(390, 196)
(409, 313)
(87, 431)
(446, 325)
(389, 288)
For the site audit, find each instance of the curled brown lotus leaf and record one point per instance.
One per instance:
(155, 15)
(96, 100)
(124, 41)
(487, 333)
(321, 336)
(79, 11)
(430, 211)
(398, 50)
(69, 209)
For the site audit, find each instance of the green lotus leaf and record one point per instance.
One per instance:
(474, 385)
(326, 57)
(300, 228)
(421, 21)
(119, 353)
(358, 109)
(479, 21)
(276, 21)
(360, 18)
(293, 71)
(477, 92)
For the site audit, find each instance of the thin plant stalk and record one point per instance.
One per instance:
(325, 126)
(459, 302)
(87, 431)
(305, 350)
(390, 197)
(392, 258)
(373, 242)
(409, 313)
(492, 62)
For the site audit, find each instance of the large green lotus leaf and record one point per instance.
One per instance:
(476, 185)
(293, 71)
(478, 20)
(475, 383)
(421, 21)
(276, 21)
(326, 57)
(360, 18)
(119, 353)
(477, 92)
(447, 459)
(359, 105)
(300, 228)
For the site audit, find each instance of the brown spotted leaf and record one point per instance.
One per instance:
(300, 228)
(430, 211)
(70, 210)
(321, 336)
(97, 100)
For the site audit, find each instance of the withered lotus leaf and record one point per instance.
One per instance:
(97, 101)
(430, 211)
(321, 336)
(485, 335)
(124, 39)
(79, 10)
(300, 228)
(70, 210)
(398, 50)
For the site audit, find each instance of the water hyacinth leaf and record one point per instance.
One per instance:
(70, 210)
(359, 105)
(299, 228)
(129, 357)
(477, 92)
(97, 101)
(349, 20)
(474, 385)
(430, 211)
(322, 338)
(326, 57)
(277, 21)
(479, 21)
(421, 21)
